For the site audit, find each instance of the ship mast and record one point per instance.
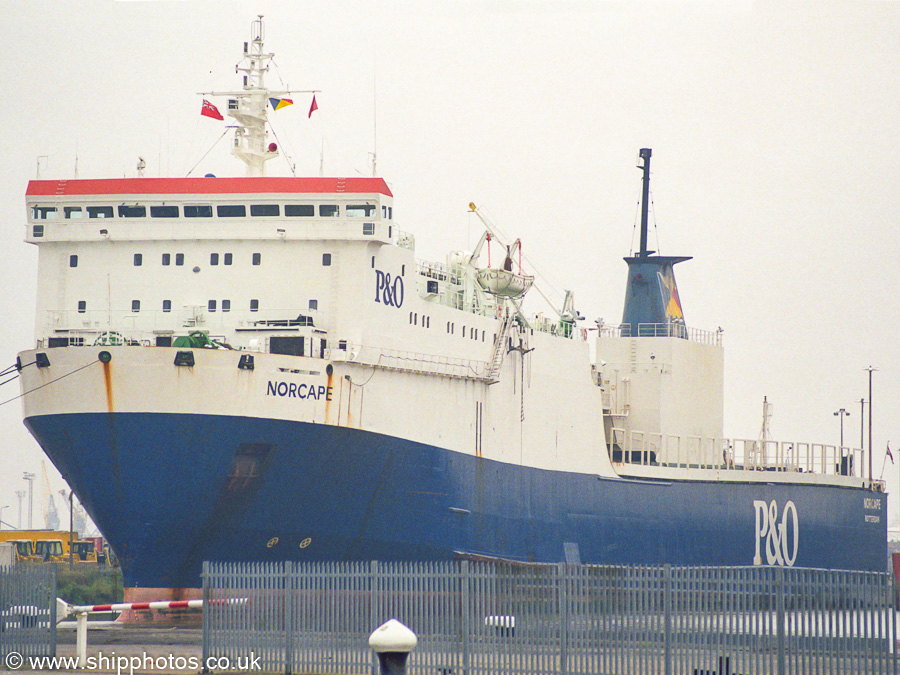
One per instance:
(645, 198)
(249, 105)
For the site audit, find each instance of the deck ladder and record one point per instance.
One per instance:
(493, 372)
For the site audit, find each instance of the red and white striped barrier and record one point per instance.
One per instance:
(64, 610)
(122, 606)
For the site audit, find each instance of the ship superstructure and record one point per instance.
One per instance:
(260, 368)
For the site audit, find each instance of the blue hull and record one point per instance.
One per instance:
(169, 491)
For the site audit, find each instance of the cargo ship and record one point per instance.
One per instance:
(259, 368)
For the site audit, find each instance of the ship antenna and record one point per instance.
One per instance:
(645, 199)
(248, 106)
(374, 112)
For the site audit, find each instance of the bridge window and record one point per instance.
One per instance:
(167, 305)
(314, 305)
(138, 259)
(73, 212)
(254, 305)
(226, 305)
(299, 210)
(231, 211)
(132, 211)
(73, 261)
(82, 306)
(227, 260)
(100, 211)
(135, 306)
(326, 259)
(257, 258)
(329, 210)
(37, 231)
(369, 228)
(198, 211)
(213, 258)
(44, 212)
(163, 211)
(166, 258)
(211, 305)
(360, 210)
(179, 258)
(287, 345)
(265, 210)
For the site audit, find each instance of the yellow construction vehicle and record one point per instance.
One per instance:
(83, 551)
(50, 550)
(24, 550)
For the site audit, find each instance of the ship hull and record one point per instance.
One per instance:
(172, 490)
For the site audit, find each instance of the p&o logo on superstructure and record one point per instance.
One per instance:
(772, 533)
(388, 289)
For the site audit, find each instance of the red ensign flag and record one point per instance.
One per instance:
(209, 110)
(313, 107)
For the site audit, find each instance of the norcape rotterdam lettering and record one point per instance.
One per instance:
(302, 390)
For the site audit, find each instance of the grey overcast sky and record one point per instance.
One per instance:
(775, 129)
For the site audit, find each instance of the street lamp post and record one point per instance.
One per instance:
(30, 478)
(842, 413)
(21, 495)
(871, 370)
(862, 422)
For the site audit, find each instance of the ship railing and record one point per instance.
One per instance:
(437, 271)
(706, 337)
(559, 328)
(143, 327)
(695, 452)
(408, 361)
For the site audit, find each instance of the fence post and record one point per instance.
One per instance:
(561, 577)
(52, 610)
(373, 605)
(289, 601)
(667, 617)
(892, 618)
(466, 618)
(779, 617)
(207, 608)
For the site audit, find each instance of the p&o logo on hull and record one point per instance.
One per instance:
(779, 538)
(388, 289)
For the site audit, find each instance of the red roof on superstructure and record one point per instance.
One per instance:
(206, 186)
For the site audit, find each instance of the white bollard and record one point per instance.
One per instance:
(392, 642)
(81, 639)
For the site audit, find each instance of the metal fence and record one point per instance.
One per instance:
(27, 613)
(473, 618)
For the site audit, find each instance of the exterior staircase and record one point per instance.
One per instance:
(492, 376)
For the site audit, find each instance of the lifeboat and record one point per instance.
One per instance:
(503, 282)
